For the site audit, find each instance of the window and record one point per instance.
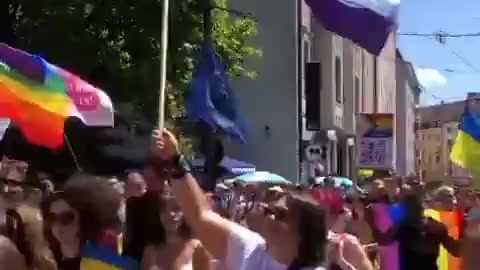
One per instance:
(358, 95)
(338, 79)
(437, 156)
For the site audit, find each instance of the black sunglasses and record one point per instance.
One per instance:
(63, 218)
(278, 213)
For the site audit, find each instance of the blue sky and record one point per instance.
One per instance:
(429, 57)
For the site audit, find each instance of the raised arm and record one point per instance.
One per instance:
(209, 227)
(452, 245)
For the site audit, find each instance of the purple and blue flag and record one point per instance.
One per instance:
(368, 23)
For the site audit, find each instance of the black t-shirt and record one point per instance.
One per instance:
(70, 264)
(419, 245)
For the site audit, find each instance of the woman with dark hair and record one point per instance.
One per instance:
(296, 233)
(179, 251)
(84, 211)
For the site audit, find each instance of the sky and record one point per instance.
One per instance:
(459, 56)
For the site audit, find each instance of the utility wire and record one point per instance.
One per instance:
(441, 34)
(454, 53)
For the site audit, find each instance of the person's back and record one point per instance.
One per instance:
(419, 246)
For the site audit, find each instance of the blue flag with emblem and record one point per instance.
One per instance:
(212, 99)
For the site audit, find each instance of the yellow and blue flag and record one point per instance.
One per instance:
(100, 257)
(466, 150)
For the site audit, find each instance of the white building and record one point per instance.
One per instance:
(309, 86)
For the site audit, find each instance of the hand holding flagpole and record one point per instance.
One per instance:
(163, 65)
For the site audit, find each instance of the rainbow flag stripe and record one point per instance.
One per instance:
(98, 257)
(451, 220)
(38, 97)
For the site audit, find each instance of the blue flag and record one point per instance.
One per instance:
(212, 100)
(368, 23)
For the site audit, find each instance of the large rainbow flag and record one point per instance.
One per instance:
(446, 261)
(38, 97)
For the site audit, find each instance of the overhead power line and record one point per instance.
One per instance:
(442, 34)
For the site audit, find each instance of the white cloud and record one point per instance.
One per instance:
(430, 78)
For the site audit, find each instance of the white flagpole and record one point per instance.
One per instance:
(163, 65)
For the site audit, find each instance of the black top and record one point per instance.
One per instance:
(419, 244)
(143, 224)
(334, 267)
(70, 264)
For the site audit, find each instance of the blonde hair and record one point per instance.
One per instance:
(443, 190)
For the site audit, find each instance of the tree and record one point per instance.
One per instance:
(115, 44)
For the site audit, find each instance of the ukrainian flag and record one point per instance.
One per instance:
(100, 257)
(466, 150)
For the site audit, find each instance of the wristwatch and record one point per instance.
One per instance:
(179, 168)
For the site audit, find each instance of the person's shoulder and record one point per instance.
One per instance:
(435, 223)
(196, 244)
(238, 231)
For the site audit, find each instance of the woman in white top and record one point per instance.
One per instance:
(295, 228)
(179, 251)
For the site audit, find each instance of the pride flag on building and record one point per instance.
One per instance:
(466, 150)
(368, 23)
(38, 96)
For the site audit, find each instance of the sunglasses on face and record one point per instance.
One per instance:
(63, 218)
(278, 213)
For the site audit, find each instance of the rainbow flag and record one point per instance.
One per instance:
(100, 257)
(38, 97)
(451, 220)
(384, 219)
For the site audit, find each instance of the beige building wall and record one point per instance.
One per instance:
(386, 76)
(429, 150)
(366, 99)
(434, 146)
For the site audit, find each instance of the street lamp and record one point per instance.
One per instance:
(332, 135)
(350, 142)
(350, 145)
(332, 142)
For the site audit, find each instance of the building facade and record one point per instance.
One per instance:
(310, 85)
(407, 100)
(436, 132)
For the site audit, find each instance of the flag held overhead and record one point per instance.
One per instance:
(466, 150)
(368, 23)
(212, 99)
(38, 97)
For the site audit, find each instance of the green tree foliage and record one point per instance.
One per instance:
(116, 44)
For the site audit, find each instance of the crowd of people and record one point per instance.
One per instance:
(160, 218)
